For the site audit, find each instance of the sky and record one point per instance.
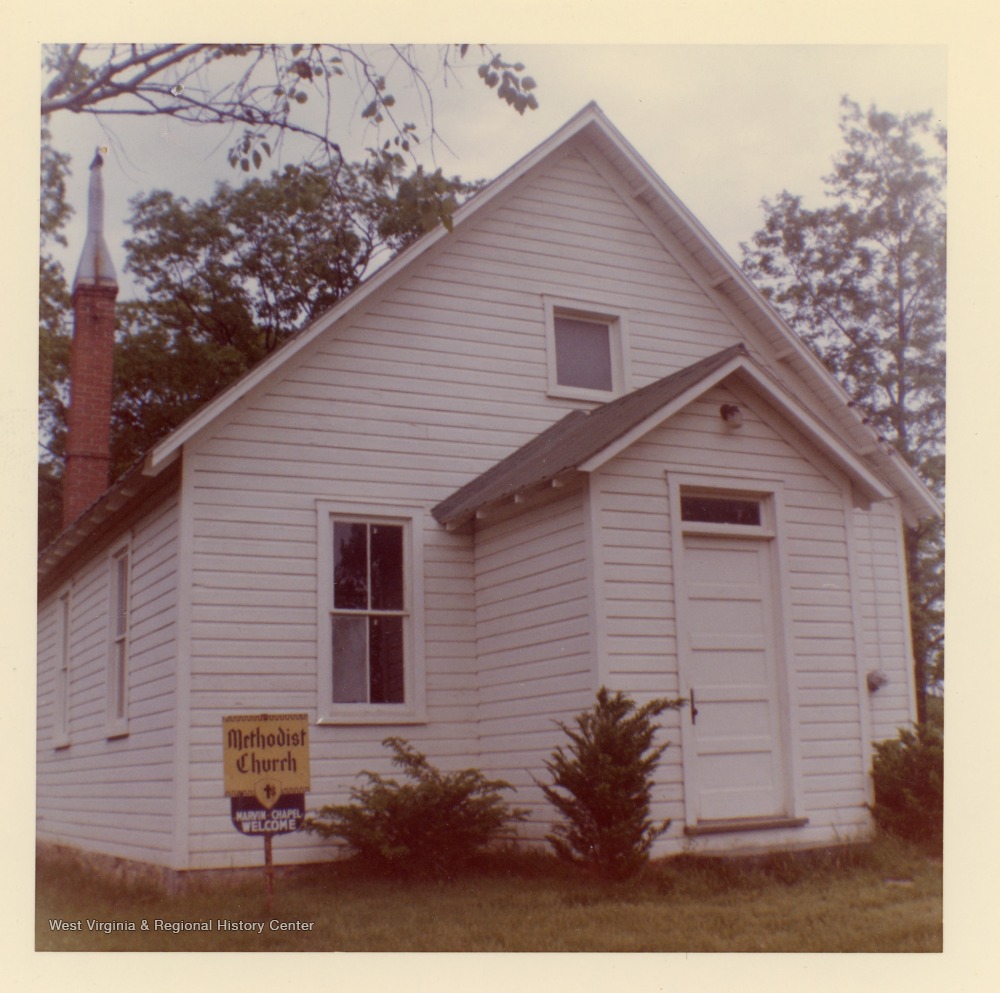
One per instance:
(723, 125)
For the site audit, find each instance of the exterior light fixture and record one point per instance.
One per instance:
(732, 415)
(876, 680)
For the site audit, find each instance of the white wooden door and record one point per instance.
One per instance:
(731, 673)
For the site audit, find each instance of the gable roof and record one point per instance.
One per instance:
(719, 275)
(585, 440)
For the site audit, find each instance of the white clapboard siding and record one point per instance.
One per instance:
(114, 796)
(534, 642)
(438, 378)
(886, 644)
(639, 596)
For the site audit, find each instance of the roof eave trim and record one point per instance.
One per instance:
(665, 412)
(483, 511)
(135, 487)
(730, 281)
(924, 497)
(794, 412)
(731, 278)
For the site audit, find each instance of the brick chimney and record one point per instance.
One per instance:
(95, 287)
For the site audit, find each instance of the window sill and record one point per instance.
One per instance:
(744, 824)
(579, 393)
(111, 733)
(382, 717)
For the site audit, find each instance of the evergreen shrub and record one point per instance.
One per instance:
(432, 824)
(908, 773)
(602, 784)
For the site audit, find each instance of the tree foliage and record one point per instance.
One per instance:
(53, 291)
(262, 93)
(430, 825)
(227, 279)
(602, 784)
(208, 311)
(863, 281)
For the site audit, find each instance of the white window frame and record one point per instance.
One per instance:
(413, 708)
(616, 319)
(119, 643)
(763, 497)
(63, 671)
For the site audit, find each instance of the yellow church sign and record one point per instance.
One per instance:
(266, 755)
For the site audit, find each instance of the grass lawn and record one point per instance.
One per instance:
(880, 898)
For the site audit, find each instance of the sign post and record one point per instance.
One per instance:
(266, 766)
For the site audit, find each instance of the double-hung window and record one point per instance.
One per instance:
(370, 632)
(368, 612)
(118, 648)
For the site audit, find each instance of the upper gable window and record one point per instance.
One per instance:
(583, 353)
(586, 351)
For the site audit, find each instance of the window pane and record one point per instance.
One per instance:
(121, 594)
(350, 651)
(720, 510)
(386, 639)
(583, 353)
(65, 644)
(120, 680)
(387, 567)
(350, 565)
